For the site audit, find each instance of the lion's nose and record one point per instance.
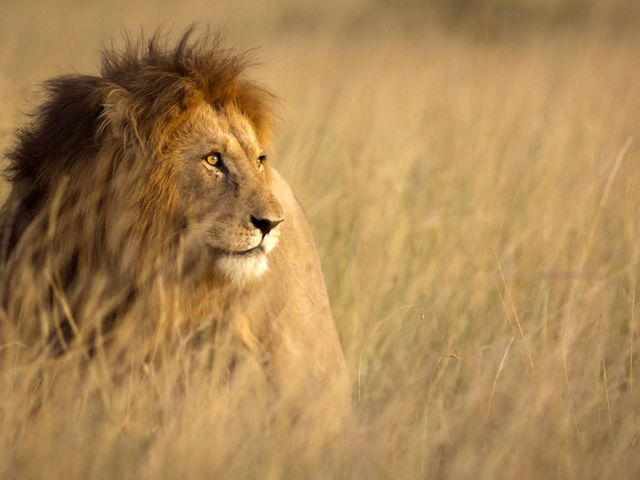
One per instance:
(264, 224)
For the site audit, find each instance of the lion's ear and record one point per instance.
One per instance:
(119, 116)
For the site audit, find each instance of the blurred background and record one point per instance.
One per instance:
(471, 169)
(43, 38)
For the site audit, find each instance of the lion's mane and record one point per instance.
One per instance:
(89, 226)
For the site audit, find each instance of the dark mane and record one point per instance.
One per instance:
(154, 83)
(62, 129)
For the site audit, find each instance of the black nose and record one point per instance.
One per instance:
(264, 224)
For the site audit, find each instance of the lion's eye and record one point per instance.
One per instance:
(213, 159)
(262, 159)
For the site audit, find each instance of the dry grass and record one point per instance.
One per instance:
(475, 200)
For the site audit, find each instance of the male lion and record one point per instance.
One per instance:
(144, 196)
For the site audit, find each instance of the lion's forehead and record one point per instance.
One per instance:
(226, 127)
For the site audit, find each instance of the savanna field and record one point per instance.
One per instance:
(471, 171)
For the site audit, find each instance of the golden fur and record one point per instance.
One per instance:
(142, 199)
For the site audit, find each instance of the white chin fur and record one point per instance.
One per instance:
(241, 269)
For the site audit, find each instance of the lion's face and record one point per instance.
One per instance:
(224, 191)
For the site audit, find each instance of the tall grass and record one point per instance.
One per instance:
(475, 203)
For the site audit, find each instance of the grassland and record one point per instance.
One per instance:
(473, 180)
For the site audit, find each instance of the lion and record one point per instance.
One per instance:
(145, 195)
